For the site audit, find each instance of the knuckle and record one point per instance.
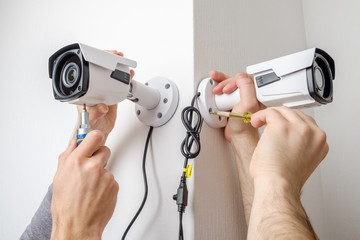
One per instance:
(243, 75)
(322, 136)
(106, 149)
(97, 135)
(95, 168)
(244, 80)
(327, 148)
(116, 186)
(308, 116)
(223, 83)
(61, 157)
(110, 179)
(105, 152)
(240, 74)
(284, 128)
(304, 130)
(282, 108)
(271, 111)
(76, 160)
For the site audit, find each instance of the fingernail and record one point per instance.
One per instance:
(72, 143)
(215, 89)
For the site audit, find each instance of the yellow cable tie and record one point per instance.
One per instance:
(188, 171)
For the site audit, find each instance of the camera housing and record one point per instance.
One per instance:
(85, 75)
(303, 79)
(299, 80)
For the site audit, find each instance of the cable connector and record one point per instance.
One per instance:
(181, 197)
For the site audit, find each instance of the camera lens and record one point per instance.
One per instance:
(319, 77)
(70, 74)
(323, 77)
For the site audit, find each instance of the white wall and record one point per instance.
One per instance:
(334, 26)
(230, 35)
(35, 128)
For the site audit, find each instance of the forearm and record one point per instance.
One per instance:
(40, 226)
(277, 212)
(243, 147)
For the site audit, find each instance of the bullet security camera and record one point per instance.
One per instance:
(299, 80)
(303, 79)
(85, 75)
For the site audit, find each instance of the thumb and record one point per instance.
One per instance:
(259, 119)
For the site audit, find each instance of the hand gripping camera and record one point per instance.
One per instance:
(299, 80)
(85, 75)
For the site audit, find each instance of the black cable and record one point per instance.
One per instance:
(193, 128)
(192, 131)
(181, 233)
(145, 184)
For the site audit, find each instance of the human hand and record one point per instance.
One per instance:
(101, 116)
(290, 148)
(242, 136)
(248, 102)
(84, 193)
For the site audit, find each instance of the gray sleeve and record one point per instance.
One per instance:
(40, 225)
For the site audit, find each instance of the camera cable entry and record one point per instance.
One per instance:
(84, 128)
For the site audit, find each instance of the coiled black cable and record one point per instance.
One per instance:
(192, 132)
(145, 184)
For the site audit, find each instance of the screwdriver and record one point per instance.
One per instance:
(84, 128)
(246, 116)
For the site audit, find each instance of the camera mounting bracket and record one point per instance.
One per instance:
(166, 107)
(209, 102)
(206, 103)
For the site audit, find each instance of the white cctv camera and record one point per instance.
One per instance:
(299, 80)
(85, 75)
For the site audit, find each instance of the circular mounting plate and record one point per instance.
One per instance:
(206, 103)
(163, 112)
